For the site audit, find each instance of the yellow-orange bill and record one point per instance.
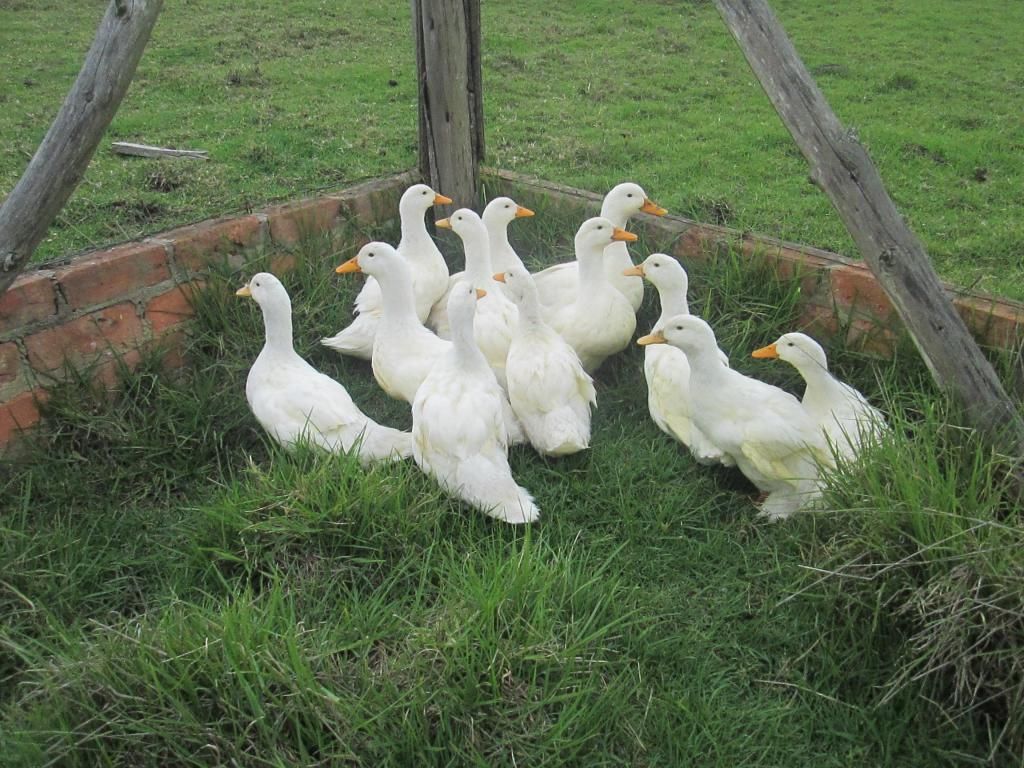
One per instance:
(352, 265)
(443, 223)
(480, 293)
(500, 277)
(521, 212)
(651, 338)
(244, 291)
(620, 234)
(765, 353)
(440, 199)
(652, 207)
(637, 271)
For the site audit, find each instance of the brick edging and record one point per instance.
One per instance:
(838, 294)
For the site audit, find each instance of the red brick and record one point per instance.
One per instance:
(695, 243)
(994, 323)
(199, 245)
(108, 372)
(86, 338)
(871, 338)
(818, 321)
(21, 412)
(10, 362)
(172, 307)
(115, 273)
(172, 345)
(793, 264)
(290, 223)
(854, 287)
(29, 299)
(360, 209)
(282, 262)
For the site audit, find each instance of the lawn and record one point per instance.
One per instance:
(176, 591)
(294, 97)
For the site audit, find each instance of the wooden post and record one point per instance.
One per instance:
(60, 162)
(842, 169)
(451, 120)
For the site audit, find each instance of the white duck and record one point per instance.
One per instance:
(403, 350)
(427, 267)
(496, 315)
(547, 386)
(843, 413)
(597, 320)
(666, 368)
(458, 429)
(560, 283)
(498, 214)
(292, 400)
(766, 430)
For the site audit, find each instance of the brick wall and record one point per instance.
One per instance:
(838, 294)
(118, 300)
(115, 302)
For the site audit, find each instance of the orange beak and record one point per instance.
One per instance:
(624, 236)
(352, 265)
(651, 338)
(500, 277)
(244, 292)
(765, 353)
(521, 212)
(443, 223)
(480, 293)
(652, 207)
(440, 199)
(637, 271)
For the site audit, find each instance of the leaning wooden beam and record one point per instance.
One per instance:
(147, 150)
(450, 96)
(842, 169)
(61, 160)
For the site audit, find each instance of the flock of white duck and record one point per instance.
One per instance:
(511, 354)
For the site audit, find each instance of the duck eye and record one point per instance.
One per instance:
(629, 194)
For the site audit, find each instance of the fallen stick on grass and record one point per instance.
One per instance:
(145, 150)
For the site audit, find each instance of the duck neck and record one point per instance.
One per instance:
(614, 214)
(673, 302)
(529, 308)
(822, 387)
(591, 261)
(479, 270)
(464, 345)
(415, 238)
(277, 324)
(398, 304)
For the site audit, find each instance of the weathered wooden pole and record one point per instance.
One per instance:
(451, 116)
(61, 160)
(842, 169)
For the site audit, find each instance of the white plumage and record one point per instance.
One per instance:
(844, 414)
(292, 400)
(459, 434)
(427, 270)
(547, 386)
(598, 320)
(667, 368)
(560, 284)
(764, 429)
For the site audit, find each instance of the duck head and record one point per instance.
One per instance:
(687, 332)
(626, 199)
(502, 210)
(599, 232)
(662, 271)
(418, 198)
(372, 259)
(265, 290)
(797, 349)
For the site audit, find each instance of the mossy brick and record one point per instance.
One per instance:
(113, 274)
(19, 413)
(171, 308)
(290, 223)
(30, 298)
(85, 339)
(199, 245)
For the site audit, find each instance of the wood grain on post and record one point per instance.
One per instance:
(842, 169)
(451, 124)
(60, 162)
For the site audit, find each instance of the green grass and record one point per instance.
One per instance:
(293, 97)
(177, 591)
